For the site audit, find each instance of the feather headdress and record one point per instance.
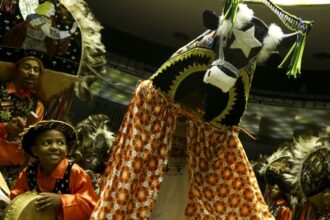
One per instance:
(93, 51)
(274, 167)
(95, 140)
(90, 130)
(309, 175)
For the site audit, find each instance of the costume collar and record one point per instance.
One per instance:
(21, 92)
(58, 172)
(279, 201)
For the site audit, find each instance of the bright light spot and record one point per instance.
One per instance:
(295, 2)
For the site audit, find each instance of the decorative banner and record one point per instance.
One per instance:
(52, 31)
(46, 31)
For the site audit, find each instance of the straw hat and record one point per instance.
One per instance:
(30, 135)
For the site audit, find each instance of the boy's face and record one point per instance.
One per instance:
(28, 72)
(50, 148)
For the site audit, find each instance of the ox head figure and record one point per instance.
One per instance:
(213, 72)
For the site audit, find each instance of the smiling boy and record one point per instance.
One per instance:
(61, 184)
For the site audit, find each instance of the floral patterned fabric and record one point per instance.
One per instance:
(222, 183)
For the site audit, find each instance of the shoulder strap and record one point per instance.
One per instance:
(62, 185)
(31, 174)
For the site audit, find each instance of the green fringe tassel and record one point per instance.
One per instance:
(296, 53)
(232, 10)
(297, 49)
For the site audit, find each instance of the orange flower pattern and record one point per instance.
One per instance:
(222, 183)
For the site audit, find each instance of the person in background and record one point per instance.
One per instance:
(20, 107)
(277, 193)
(61, 184)
(310, 176)
(280, 203)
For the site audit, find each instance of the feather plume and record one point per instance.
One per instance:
(93, 58)
(243, 17)
(301, 149)
(266, 161)
(273, 169)
(270, 42)
(90, 128)
(94, 143)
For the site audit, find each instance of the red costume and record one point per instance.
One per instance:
(281, 210)
(11, 153)
(78, 205)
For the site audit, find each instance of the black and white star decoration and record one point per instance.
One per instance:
(245, 40)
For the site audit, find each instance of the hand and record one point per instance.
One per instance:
(12, 129)
(32, 118)
(20, 122)
(48, 200)
(15, 126)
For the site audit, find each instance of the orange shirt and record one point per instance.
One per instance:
(75, 206)
(285, 213)
(12, 154)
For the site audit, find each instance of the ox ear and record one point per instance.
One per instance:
(210, 20)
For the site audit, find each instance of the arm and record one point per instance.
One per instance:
(3, 133)
(36, 116)
(40, 111)
(16, 125)
(21, 185)
(285, 213)
(12, 129)
(82, 199)
(55, 33)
